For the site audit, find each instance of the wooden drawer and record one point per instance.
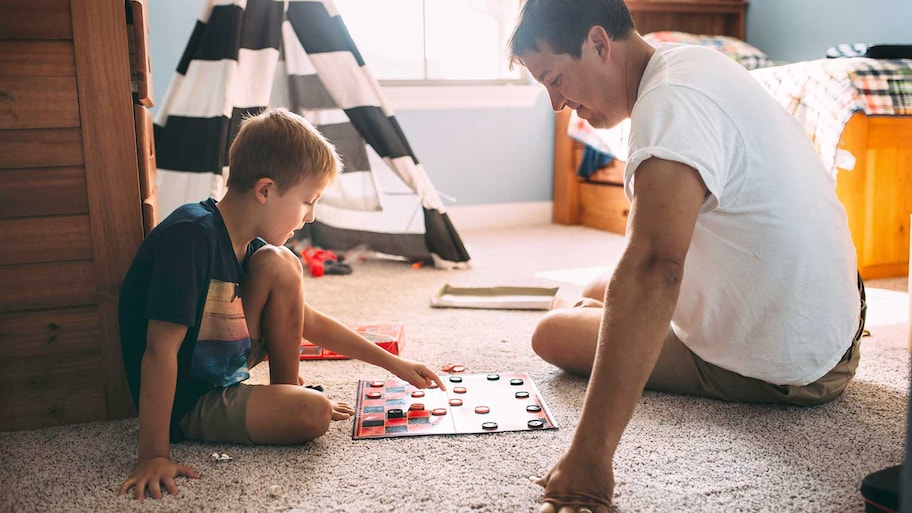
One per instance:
(64, 404)
(604, 207)
(31, 240)
(37, 58)
(51, 147)
(48, 285)
(43, 349)
(50, 332)
(43, 192)
(54, 368)
(38, 102)
(140, 59)
(35, 19)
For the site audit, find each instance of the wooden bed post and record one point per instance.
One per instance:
(566, 185)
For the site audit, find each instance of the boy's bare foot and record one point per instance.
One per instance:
(341, 411)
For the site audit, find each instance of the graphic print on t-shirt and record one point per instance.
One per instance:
(223, 343)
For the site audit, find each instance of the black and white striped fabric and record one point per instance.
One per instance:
(246, 56)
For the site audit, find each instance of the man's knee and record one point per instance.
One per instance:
(596, 288)
(547, 335)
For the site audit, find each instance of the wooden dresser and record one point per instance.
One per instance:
(70, 208)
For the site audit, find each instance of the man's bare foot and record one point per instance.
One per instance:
(341, 411)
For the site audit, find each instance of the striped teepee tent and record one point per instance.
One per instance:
(246, 56)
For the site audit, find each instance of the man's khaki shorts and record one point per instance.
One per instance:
(680, 371)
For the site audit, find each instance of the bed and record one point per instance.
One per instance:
(871, 154)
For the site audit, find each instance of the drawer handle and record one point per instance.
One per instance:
(53, 327)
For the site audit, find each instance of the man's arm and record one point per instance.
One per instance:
(639, 304)
(156, 397)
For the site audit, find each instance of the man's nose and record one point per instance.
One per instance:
(557, 101)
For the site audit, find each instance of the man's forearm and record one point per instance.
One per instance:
(638, 308)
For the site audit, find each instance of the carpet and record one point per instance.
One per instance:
(678, 454)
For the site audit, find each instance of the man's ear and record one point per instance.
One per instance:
(600, 42)
(263, 189)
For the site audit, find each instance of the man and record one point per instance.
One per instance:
(738, 280)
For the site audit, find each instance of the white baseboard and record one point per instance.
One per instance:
(500, 215)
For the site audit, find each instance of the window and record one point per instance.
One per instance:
(434, 42)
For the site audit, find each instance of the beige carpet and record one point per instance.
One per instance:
(679, 454)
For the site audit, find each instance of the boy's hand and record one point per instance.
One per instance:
(417, 374)
(154, 472)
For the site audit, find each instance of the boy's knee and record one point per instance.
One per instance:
(276, 263)
(314, 415)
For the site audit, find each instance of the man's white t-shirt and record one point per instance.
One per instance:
(770, 286)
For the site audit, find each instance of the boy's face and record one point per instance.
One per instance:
(289, 210)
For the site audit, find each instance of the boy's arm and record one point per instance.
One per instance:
(156, 397)
(327, 332)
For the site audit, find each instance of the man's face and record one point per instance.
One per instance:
(588, 84)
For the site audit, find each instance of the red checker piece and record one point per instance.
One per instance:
(459, 390)
(439, 411)
(482, 409)
(418, 393)
(455, 402)
(458, 368)
(377, 383)
(448, 367)
(374, 395)
(416, 406)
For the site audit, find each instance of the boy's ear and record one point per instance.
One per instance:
(263, 189)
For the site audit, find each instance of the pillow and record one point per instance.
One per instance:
(744, 54)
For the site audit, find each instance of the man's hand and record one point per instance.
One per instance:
(417, 374)
(580, 481)
(154, 472)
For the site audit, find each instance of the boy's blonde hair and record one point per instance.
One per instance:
(283, 146)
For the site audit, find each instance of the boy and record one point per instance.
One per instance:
(212, 290)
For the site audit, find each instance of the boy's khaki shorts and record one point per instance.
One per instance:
(219, 416)
(680, 371)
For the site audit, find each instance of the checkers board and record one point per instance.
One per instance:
(472, 403)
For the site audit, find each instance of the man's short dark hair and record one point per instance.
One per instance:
(565, 24)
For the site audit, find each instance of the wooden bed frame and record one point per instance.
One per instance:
(877, 193)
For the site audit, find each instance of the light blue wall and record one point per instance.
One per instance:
(796, 30)
(505, 155)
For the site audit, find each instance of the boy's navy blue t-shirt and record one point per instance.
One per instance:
(185, 272)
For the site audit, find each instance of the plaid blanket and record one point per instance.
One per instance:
(739, 51)
(824, 94)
